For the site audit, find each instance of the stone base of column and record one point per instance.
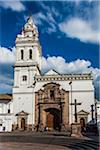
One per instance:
(66, 128)
(76, 130)
(29, 127)
(41, 128)
(63, 127)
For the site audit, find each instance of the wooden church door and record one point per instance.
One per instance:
(23, 123)
(50, 121)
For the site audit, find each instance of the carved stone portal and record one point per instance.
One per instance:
(52, 108)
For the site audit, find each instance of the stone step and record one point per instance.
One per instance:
(73, 147)
(92, 147)
(85, 145)
(92, 142)
(82, 147)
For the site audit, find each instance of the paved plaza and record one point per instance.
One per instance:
(30, 146)
(46, 141)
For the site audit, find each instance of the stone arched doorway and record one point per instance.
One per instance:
(22, 120)
(52, 119)
(23, 123)
(52, 108)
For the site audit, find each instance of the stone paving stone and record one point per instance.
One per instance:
(29, 146)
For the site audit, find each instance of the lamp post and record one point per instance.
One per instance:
(32, 103)
(96, 112)
(70, 83)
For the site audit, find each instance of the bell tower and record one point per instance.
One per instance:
(28, 55)
(27, 65)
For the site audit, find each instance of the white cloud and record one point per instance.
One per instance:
(4, 86)
(6, 79)
(42, 18)
(13, 5)
(7, 55)
(6, 83)
(39, 17)
(78, 1)
(47, 17)
(57, 63)
(78, 66)
(80, 29)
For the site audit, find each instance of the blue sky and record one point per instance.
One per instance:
(69, 36)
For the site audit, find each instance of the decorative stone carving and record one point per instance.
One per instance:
(66, 77)
(52, 99)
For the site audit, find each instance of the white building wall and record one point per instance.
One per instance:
(82, 90)
(23, 100)
(7, 123)
(86, 99)
(6, 118)
(98, 112)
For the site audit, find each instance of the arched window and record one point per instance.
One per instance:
(22, 54)
(30, 54)
(24, 78)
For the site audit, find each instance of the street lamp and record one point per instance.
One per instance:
(32, 103)
(70, 83)
(96, 112)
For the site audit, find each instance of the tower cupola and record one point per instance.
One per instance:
(30, 29)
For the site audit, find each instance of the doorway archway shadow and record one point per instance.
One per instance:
(22, 123)
(52, 119)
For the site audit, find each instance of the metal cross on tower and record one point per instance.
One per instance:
(75, 107)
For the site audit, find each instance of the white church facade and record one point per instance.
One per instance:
(44, 100)
(6, 112)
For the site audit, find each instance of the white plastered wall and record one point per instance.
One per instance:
(82, 90)
(24, 102)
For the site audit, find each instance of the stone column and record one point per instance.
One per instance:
(63, 128)
(40, 117)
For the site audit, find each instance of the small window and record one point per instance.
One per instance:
(24, 78)
(22, 54)
(30, 54)
(9, 111)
